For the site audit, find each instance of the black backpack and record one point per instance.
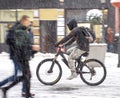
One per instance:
(92, 34)
(89, 33)
(10, 37)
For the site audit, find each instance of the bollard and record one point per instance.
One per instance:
(117, 48)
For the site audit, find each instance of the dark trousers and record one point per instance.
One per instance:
(17, 69)
(110, 47)
(25, 77)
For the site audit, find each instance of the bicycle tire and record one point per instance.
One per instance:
(101, 80)
(54, 81)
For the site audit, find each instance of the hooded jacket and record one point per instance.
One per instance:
(77, 34)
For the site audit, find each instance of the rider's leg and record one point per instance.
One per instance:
(74, 55)
(69, 51)
(12, 78)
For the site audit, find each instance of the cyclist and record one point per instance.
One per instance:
(82, 39)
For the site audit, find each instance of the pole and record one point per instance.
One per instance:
(103, 32)
(16, 12)
(117, 24)
(117, 20)
(118, 51)
(103, 8)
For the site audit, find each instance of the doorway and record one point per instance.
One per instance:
(48, 36)
(4, 26)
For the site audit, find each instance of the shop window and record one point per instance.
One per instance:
(3, 31)
(7, 18)
(7, 15)
(78, 14)
(10, 17)
(22, 12)
(60, 24)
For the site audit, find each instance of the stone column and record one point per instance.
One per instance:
(117, 23)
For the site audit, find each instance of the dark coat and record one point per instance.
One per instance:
(20, 46)
(76, 35)
(31, 35)
(109, 38)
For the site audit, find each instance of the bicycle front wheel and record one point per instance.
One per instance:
(93, 72)
(49, 72)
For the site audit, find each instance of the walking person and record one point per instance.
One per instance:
(77, 34)
(20, 52)
(109, 37)
(31, 38)
(2, 83)
(17, 69)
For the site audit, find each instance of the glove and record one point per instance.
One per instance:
(56, 44)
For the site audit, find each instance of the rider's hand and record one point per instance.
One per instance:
(90, 39)
(56, 44)
(61, 45)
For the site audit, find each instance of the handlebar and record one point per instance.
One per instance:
(60, 48)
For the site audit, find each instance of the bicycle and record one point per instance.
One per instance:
(91, 71)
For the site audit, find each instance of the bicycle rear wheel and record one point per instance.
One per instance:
(93, 72)
(47, 74)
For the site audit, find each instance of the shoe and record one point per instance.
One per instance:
(73, 75)
(4, 92)
(30, 95)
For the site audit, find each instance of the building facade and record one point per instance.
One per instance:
(50, 17)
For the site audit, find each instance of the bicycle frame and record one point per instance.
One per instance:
(62, 55)
(65, 61)
(55, 59)
(64, 58)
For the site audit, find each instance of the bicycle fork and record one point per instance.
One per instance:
(52, 65)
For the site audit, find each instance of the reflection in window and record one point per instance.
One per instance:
(22, 12)
(3, 32)
(8, 15)
(78, 14)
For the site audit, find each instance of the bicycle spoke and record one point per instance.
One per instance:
(48, 72)
(93, 72)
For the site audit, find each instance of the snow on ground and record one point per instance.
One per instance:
(65, 88)
(111, 60)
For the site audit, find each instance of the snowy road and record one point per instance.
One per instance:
(66, 88)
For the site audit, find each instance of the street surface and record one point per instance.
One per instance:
(75, 88)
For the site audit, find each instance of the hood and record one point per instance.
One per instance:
(72, 24)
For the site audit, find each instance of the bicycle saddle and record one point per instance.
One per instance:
(85, 54)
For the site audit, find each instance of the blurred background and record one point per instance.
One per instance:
(50, 17)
